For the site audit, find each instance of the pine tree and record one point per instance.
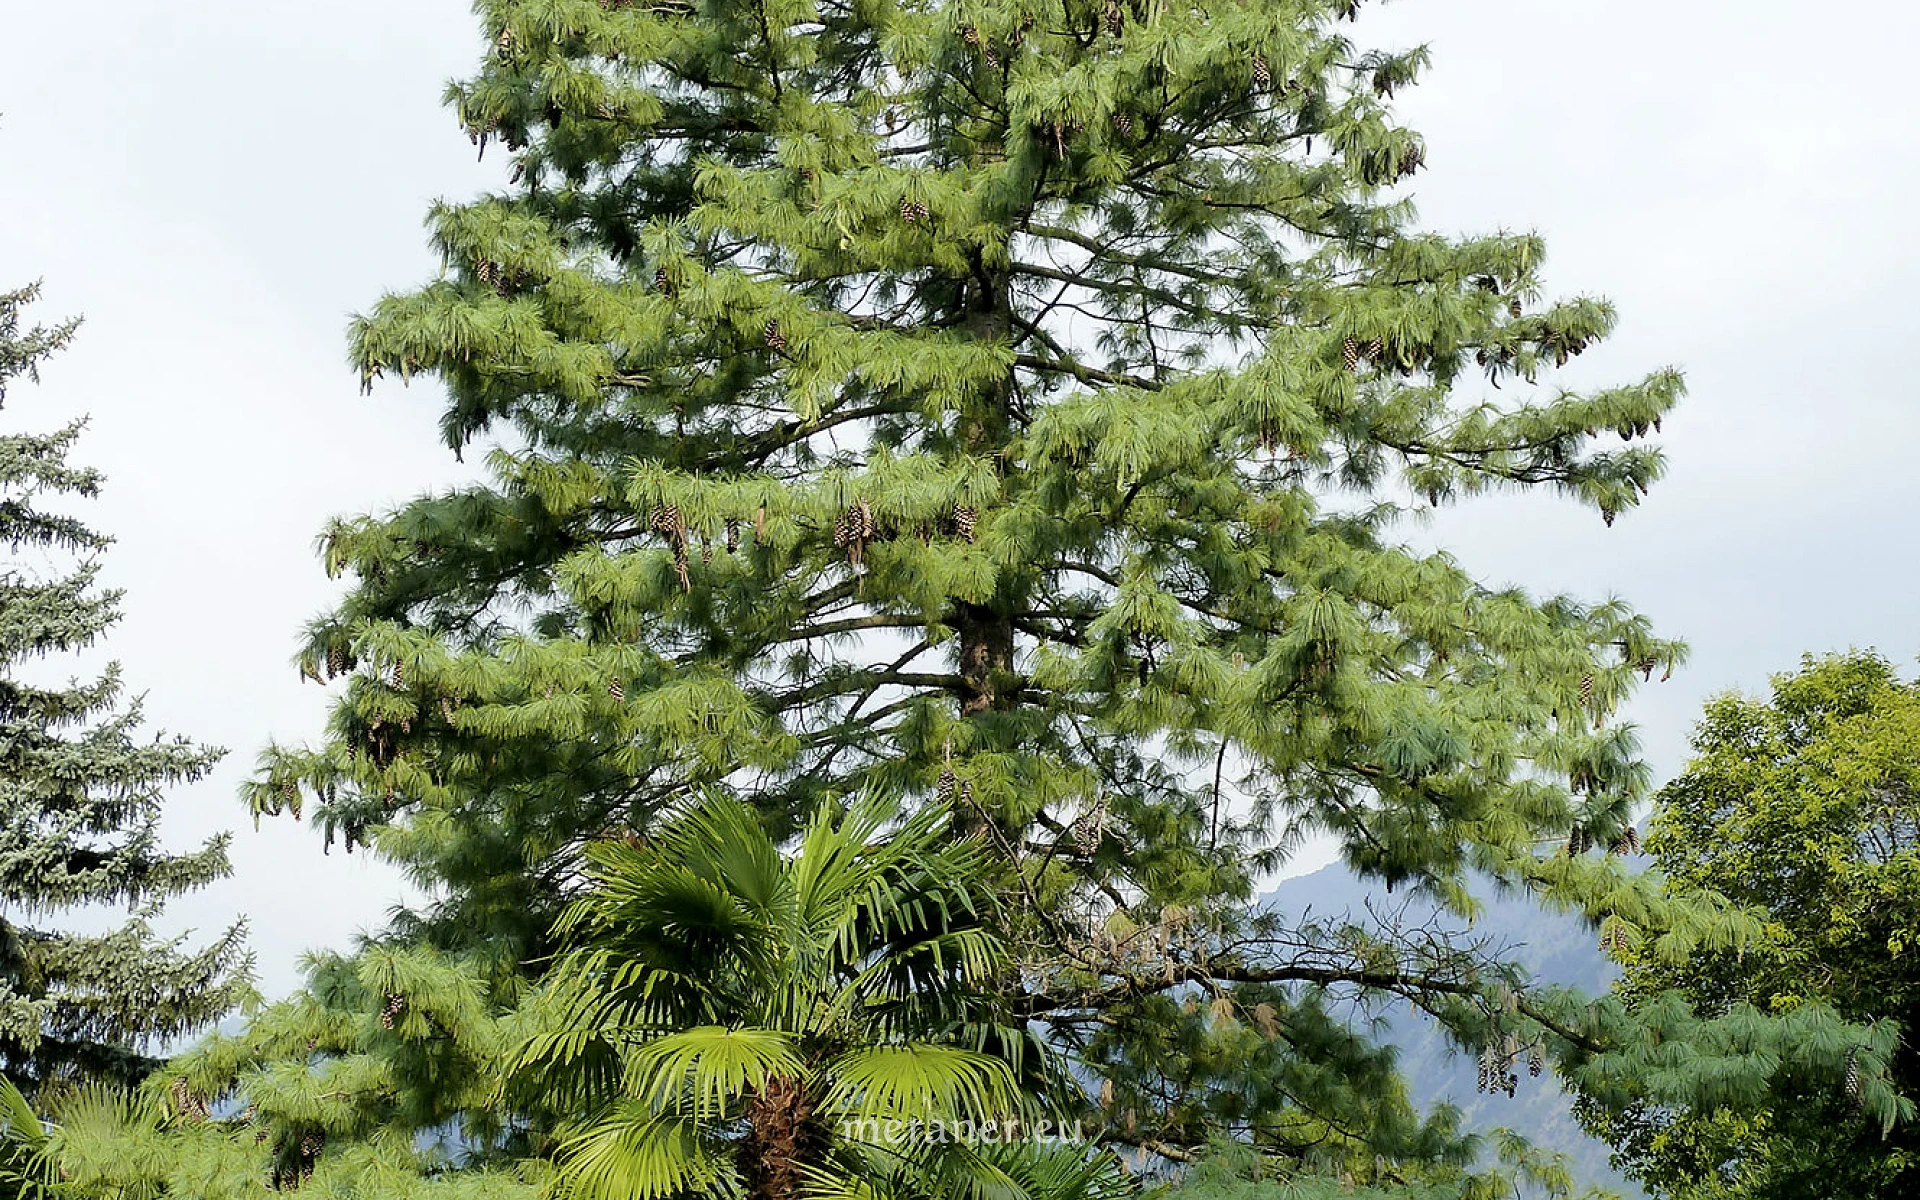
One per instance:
(1017, 404)
(81, 794)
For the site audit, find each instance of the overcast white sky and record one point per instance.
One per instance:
(218, 184)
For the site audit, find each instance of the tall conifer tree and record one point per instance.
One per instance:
(81, 792)
(1016, 404)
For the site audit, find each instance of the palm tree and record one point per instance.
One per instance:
(23, 1144)
(741, 1022)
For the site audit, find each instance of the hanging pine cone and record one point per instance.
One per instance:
(1852, 1081)
(970, 35)
(1123, 122)
(446, 709)
(1262, 72)
(1374, 349)
(733, 534)
(616, 689)
(390, 1012)
(946, 789)
(776, 340)
(399, 676)
(966, 522)
(1514, 308)
(1116, 18)
(1607, 515)
(1536, 1061)
(1091, 830)
(661, 283)
(336, 660)
(1411, 159)
(1586, 688)
(668, 521)
(1350, 354)
(186, 1103)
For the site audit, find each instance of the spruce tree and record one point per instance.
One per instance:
(1020, 405)
(81, 792)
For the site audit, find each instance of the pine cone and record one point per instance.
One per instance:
(1586, 688)
(966, 522)
(1852, 1081)
(336, 660)
(1124, 123)
(1262, 73)
(1536, 1061)
(662, 284)
(776, 340)
(1514, 308)
(946, 789)
(733, 534)
(616, 689)
(668, 521)
(1116, 18)
(1350, 354)
(1091, 830)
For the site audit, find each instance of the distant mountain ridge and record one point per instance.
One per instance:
(1556, 947)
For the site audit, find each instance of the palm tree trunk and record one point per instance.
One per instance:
(777, 1140)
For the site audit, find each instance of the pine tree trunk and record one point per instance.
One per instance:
(986, 659)
(986, 636)
(776, 1140)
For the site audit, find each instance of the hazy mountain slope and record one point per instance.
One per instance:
(1556, 947)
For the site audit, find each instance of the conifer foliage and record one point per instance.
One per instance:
(81, 791)
(1016, 405)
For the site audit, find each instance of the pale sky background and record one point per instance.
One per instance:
(218, 184)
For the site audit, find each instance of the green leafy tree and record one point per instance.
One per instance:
(772, 1025)
(1804, 805)
(1015, 405)
(81, 792)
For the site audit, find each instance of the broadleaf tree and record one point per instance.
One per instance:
(1020, 405)
(82, 791)
(1801, 804)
